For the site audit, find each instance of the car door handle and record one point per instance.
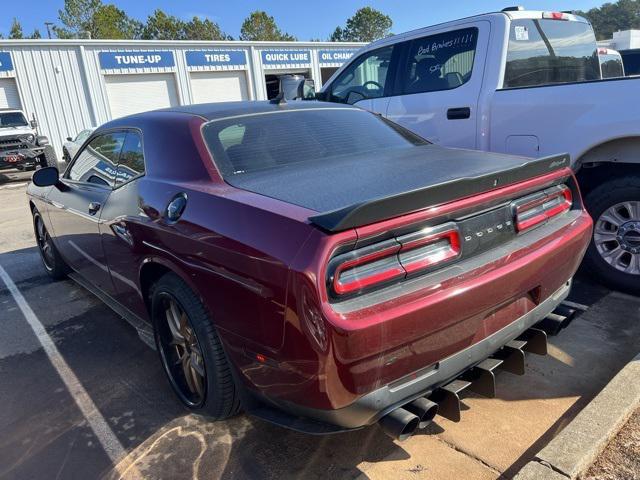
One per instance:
(458, 113)
(94, 207)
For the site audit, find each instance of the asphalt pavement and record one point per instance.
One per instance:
(83, 397)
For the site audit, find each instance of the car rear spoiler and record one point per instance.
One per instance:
(379, 209)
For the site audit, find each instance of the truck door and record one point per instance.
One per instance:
(438, 83)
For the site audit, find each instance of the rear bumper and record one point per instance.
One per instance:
(371, 407)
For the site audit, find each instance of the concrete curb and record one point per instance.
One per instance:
(575, 448)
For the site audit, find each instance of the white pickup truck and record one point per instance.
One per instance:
(519, 82)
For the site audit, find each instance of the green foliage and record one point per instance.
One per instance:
(81, 18)
(16, 30)
(161, 26)
(611, 17)
(77, 17)
(198, 29)
(338, 35)
(260, 26)
(366, 25)
(36, 34)
(112, 23)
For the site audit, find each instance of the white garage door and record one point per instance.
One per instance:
(218, 86)
(130, 94)
(9, 97)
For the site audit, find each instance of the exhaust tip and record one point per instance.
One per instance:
(399, 424)
(424, 409)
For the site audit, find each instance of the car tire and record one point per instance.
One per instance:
(613, 255)
(53, 263)
(182, 326)
(48, 157)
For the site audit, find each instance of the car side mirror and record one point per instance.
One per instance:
(46, 177)
(69, 139)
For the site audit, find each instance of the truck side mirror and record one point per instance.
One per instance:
(33, 123)
(308, 88)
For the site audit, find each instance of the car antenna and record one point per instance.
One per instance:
(279, 99)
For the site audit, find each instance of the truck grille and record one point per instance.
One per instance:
(12, 143)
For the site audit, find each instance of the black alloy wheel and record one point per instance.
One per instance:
(180, 352)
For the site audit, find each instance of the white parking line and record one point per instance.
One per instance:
(96, 421)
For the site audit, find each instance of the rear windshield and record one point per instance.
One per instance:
(250, 143)
(543, 52)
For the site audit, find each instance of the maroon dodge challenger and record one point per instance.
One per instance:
(314, 264)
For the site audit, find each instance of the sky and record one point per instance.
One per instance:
(305, 20)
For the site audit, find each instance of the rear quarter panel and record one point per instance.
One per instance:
(570, 118)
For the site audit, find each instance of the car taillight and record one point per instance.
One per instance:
(430, 247)
(392, 260)
(536, 209)
(368, 266)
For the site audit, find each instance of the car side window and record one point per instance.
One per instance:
(365, 78)
(97, 162)
(440, 62)
(131, 164)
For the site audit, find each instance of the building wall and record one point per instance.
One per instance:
(62, 82)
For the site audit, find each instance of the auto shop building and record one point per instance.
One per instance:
(71, 85)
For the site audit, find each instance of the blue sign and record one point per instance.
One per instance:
(335, 56)
(146, 59)
(215, 58)
(6, 65)
(291, 57)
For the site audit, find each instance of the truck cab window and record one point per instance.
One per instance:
(440, 62)
(544, 52)
(365, 78)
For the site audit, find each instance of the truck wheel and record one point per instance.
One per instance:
(190, 350)
(48, 157)
(614, 254)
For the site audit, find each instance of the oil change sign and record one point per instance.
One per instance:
(215, 58)
(289, 57)
(6, 65)
(335, 56)
(146, 59)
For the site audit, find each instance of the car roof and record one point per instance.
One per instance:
(216, 111)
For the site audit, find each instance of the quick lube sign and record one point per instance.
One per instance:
(289, 57)
(216, 58)
(139, 59)
(335, 56)
(6, 65)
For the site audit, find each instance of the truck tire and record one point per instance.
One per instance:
(191, 352)
(48, 157)
(613, 255)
